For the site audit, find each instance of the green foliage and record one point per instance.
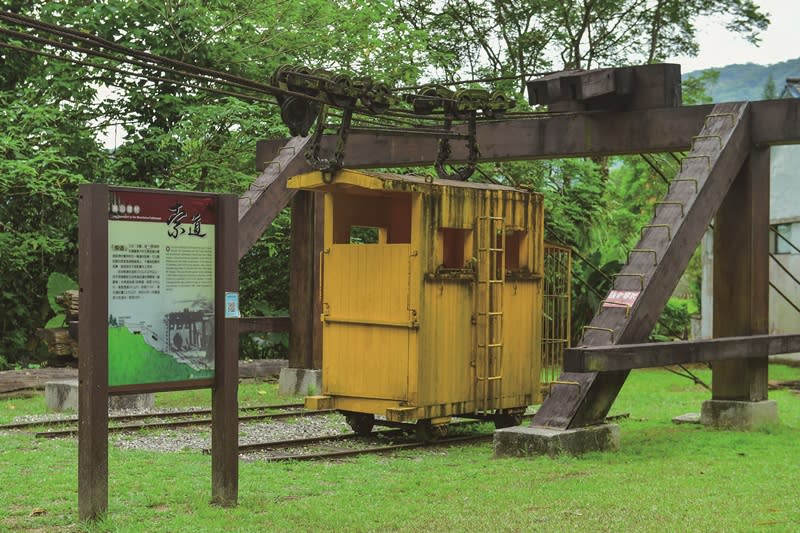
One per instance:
(515, 37)
(58, 284)
(674, 323)
(57, 129)
(696, 88)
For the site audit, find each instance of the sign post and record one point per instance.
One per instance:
(155, 268)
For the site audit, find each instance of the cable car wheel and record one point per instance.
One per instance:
(360, 423)
(428, 432)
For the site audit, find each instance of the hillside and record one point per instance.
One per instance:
(746, 82)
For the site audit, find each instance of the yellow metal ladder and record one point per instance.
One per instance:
(491, 279)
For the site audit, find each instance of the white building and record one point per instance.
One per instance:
(784, 214)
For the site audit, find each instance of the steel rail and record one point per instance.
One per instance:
(183, 423)
(447, 441)
(143, 416)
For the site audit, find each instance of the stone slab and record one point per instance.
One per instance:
(299, 382)
(531, 441)
(688, 418)
(788, 359)
(262, 369)
(738, 415)
(62, 395)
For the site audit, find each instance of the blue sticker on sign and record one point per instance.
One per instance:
(232, 305)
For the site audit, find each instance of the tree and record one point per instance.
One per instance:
(770, 91)
(54, 116)
(478, 37)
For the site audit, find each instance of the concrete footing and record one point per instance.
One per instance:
(526, 441)
(299, 381)
(737, 415)
(63, 396)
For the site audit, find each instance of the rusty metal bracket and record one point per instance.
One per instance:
(666, 226)
(701, 156)
(655, 207)
(644, 251)
(716, 115)
(706, 137)
(595, 328)
(691, 180)
(622, 275)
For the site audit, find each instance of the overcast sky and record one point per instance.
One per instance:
(719, 47)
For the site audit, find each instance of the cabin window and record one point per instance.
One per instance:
(371, 218)
(454, 244)
(514, 244)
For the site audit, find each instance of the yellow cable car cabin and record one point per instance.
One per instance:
(431, 298)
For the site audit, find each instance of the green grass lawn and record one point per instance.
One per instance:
(664, 478)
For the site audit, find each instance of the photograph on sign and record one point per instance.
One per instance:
(161, 261)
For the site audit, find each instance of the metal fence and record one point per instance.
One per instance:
(557, 305)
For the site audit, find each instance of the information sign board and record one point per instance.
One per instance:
(161, 260)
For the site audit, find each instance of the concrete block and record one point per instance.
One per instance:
(738, 415)
(132, 401)
(63, 396)
(299, 381)
(526, 441)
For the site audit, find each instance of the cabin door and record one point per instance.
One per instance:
(367, 321)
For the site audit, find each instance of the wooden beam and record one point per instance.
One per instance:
(224, 393)
(93, 352)
(264, 324)
(741, 278)
(687, 212)
(305, 306)
(775, 122)
(548, 137)
(586, 134)
(649, 355)
(268, 195)
(619, 88)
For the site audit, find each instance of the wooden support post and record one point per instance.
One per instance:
(305, 308)
(224, 403)
(741, 277)
(93, 352)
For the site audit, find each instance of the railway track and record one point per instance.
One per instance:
(168, 420)
(332, 445)
(328, 447)
(328, 442)
(386, 448)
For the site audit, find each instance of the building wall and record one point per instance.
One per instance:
(785, 213)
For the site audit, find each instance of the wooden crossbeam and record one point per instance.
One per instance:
(590, 134)
(264, 324)
(649, 355)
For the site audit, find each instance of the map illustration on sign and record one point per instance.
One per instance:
(160, 287)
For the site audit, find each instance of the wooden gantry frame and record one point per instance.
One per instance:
(724, 177)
